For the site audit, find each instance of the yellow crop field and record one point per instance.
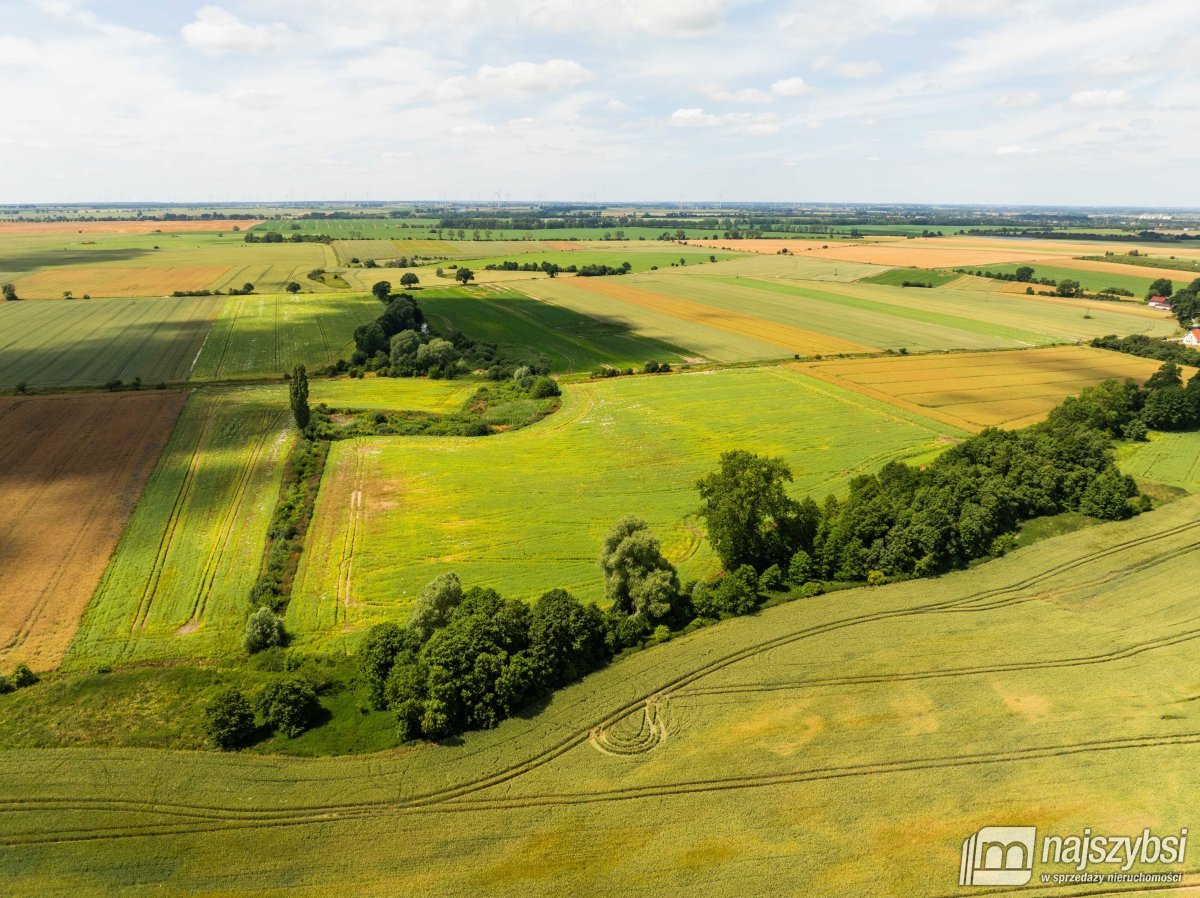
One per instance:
(976, 390)
(118, 282)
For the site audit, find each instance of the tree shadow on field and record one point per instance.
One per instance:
(29, 260)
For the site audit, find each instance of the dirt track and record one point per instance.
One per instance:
(71, 471)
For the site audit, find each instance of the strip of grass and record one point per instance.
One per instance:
(898, 277)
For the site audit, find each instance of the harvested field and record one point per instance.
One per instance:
(772, 245)
(71, 471)
(976, 390)
(123, 227)
(118, 282)
(89, 342)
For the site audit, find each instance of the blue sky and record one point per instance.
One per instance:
(968, 101)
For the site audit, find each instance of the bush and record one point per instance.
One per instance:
(544, 388)
(1135, 430)
(876, 578)
(810, 589)
(1003, 544)
(229, 721)
(5, 686)
(731, 595)
(288, 705)
(264, 630)
(22, 676)
(771, 579)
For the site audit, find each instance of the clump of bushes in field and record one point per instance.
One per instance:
(400, 343)
(20, 677)
(287, 705)
(277, 237)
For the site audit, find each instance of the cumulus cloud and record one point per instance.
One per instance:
(865, 68)
(1099, 97)
(744, 95)
(750, 123)
(519, 77)
(1013, 150)
(1020, 100)
(216, 31)
(790, 87)
(668, 17)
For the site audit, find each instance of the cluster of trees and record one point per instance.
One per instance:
(1185, 304)
(916, 284)
(9, 292)
(20, 677)
(591, 271)
(1163, 404)
(400, 344)
(551, 268)
(288, 704)
(906, 521)
(469, 658)
(1164, 350)
(1026, 275)
(277, 237)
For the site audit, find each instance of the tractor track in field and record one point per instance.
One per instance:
(219, 366)
(167, 540)
(341, 608)
(232, 514)
(458, 798)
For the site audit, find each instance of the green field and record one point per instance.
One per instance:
(178, 583)
(526, 328)
(425, 229)
(738, 317)
(265, 335)
(395, 512)
(641, 257)
(1148, 261)
(89, 342)
(1170, 458)
(897, 276)
(1092, 281)
(769, 755)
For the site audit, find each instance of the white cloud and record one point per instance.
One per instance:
(1013, 150)
(1020, 100)
(692, 115)
(519, 77)
(667, 17)
(744, 95)
(1100, 97)
(216, 31)
(790, 87)
(865, 68)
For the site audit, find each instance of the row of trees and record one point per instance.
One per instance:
(1164, 350)
(967, 504)
(20, 677)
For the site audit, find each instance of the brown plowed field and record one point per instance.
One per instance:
(71, 471)
(122, 227)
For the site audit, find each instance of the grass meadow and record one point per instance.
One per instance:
(394, 512)
(768, 755)
(1090, 280)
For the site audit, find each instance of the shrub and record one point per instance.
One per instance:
(288, 705)
(5, 686)
(876, 578)
(264, 630)
(544, 388)
(1135, 430)
(810, 589)
(22, 676)
(229, 721)
(771, 579)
